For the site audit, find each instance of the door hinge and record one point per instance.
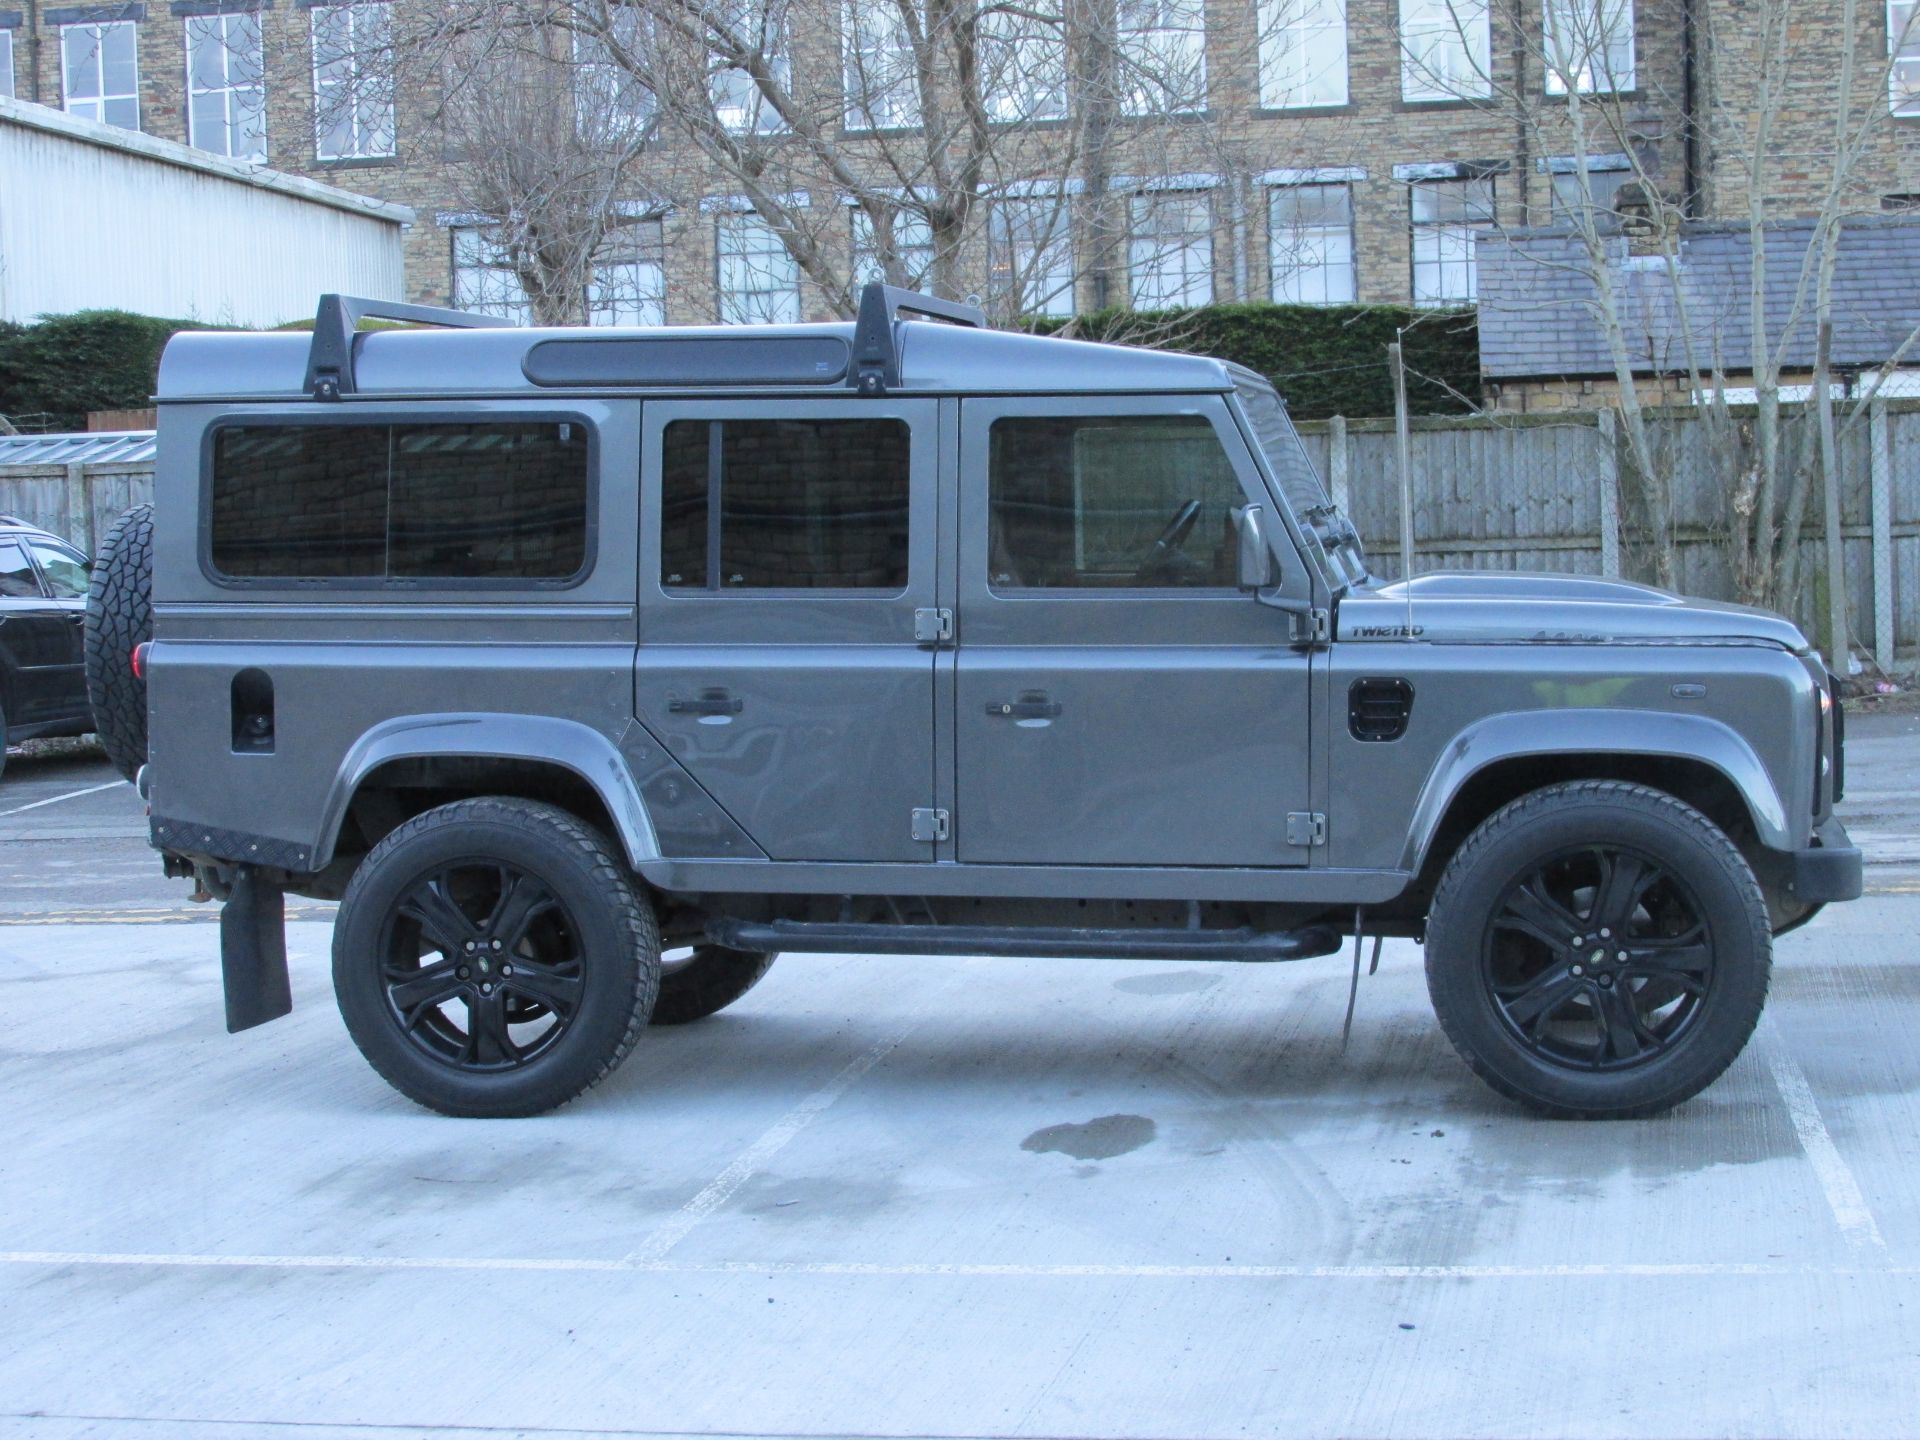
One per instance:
(1306, 827)
(930, 825)
(1319, 626)
(933, 627)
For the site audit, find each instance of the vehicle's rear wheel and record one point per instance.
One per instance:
(493, 957)
(700, 980)
(119, 621)
(1598, 950)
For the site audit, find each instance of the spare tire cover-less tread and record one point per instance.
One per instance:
(119, 620)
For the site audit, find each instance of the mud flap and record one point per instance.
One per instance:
(253, 952)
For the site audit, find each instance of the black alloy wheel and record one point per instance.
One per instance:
(1599, 958)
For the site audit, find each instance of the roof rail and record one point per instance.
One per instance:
(876, 358)
(330, 358)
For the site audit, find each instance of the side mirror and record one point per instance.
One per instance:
(1256, 555)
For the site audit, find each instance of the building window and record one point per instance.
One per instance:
(1310, 244)
(6, 63)
(879, 69)
(503, 501)
(785, 504)
(912, 247)
(1023, 67)
(352, 81)
(628, 284)
(1303, 53)
(759, 279)
(1903, 49)
(1589, 45)
(738, 102)
(1445, 47)
(1446, 216)
(611, 100)
(1602, 184)
(484, 279)
(226, 93)
(1170, 249)
(1031, 249)
(101, 71)
(1163, 56)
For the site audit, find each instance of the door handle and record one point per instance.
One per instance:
(1034, 705)
(714, 702)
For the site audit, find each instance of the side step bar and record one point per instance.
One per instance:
(1059, 942)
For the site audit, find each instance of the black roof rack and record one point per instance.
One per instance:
(330, 358)
(876, 355)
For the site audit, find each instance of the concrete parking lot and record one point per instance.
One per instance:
(893, 1197)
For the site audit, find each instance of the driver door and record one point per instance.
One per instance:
(1120, 701)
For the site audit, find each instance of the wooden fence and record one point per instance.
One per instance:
(1489, 493)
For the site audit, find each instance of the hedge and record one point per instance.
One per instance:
(1326, 359)
(66, 365)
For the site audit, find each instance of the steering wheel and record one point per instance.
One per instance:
(1165, 550)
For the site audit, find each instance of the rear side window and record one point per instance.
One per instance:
(1110, 502)
(17, 580)
(501, 501)
(785, 504)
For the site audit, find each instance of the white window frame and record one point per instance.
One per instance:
(1303, 53)
(737, 100)
(1035, 270)
(1903, 57)
(1290, 282)
(912, 246)
(1450, 243)
(483, 282)
(100, 104)
(878, 71)
(1023, 68)
(1163, 54)
(611, 100)
(1563, 171)
(358, 16)
(1446, 49)
(628, 282)
(7, 86)
(1162, 273)
(1598, 49)
(241, 98)
(775, 301)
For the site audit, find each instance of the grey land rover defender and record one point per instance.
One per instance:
(590, 670)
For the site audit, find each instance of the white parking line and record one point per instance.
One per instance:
(1678, 1270)
(720, 1189)
(1843, 1193)
(70, 795)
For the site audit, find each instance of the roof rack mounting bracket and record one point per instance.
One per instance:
(330, 357)
(876, 350)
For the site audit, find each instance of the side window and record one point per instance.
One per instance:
(784, 505)
(503, 501)
(17, 580)
(1110, 502)
(65, 572)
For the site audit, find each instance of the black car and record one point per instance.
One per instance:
(43, 612)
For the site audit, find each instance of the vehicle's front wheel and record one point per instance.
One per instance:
(1598, 950)
(703, 980)
(493, 957)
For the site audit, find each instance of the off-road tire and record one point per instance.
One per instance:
(618, 936)
(120, 619)
(1691, 848)
(712, 979)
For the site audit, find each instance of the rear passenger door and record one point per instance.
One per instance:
(35, 636)
(63, 573)
(785, 548)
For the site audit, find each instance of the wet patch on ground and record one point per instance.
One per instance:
(1098, 1139)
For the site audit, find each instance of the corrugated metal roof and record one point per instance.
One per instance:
(99, 447)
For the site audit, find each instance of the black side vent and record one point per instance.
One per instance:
(1378, 709)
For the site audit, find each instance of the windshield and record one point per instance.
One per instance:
(1327, 527)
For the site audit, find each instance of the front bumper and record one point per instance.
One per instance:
(1829, 870)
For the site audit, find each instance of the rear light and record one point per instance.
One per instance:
(138, 660)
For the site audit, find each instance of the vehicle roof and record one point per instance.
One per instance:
(12, 525)
(934, 359)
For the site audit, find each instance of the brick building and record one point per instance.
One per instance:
(1335, 151)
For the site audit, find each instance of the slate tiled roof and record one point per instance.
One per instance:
(1538, 317)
